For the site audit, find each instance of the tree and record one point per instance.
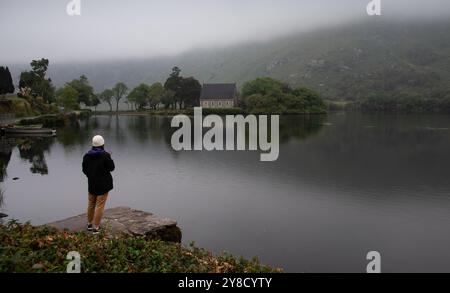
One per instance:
(173, 83)
(263, 86)
(107, 97)
(120, 90)
(139, 95)
(95, 101)
(67, 98)
(156, 94)
(84, 89)
(186, 90)
(189, 92)
(6, 83)
(36, 81)
(168, 99)
(40, 67)
(312, 98)
(267, 95)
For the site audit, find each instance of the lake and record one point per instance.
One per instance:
(344, 184)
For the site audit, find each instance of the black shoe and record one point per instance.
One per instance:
(89, 228)
(96, 231)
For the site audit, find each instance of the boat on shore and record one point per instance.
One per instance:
(31, 130)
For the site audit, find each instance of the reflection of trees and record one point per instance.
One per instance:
(138, 127)
(119, 133)
(157, 127)
(300, 126)
(33, 150)
(6, 146)
(2, 202)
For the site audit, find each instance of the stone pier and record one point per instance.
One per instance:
(126, 221)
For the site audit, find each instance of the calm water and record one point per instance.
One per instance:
(344, 185)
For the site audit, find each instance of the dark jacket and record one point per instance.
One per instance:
(97, 166)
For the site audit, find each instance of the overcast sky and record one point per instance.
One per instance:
(147, 28)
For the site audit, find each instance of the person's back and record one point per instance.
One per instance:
(97, 166)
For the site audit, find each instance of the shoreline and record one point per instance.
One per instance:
(44, 250)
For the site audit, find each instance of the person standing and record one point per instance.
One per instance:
(97, 166)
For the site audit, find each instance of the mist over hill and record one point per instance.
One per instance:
(345, 62)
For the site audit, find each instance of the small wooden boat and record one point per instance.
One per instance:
(29, 130)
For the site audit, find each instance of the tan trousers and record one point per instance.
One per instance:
(95, 209)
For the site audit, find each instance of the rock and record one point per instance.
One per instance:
(3, 215)
(16, 178)
(124, 220)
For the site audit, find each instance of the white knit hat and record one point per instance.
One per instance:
(98, 141)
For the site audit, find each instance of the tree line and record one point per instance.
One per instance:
(177, 92)
(34, 86)
(262, 95)
(266, 95)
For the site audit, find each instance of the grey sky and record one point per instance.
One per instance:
(138, 28)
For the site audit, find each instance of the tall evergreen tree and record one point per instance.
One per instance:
(6, 83)
(9, 81)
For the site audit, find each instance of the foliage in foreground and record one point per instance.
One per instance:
(25, 248)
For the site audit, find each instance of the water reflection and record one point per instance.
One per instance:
(6, 146)
(343, 185)
(305, 126)
(138, 128)
(31, 150)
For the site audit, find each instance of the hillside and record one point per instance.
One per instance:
(345, 62)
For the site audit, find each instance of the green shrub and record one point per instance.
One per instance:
(269, 96)
(25, 248)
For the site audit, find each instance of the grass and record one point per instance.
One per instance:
(13, 104)
(25, 248)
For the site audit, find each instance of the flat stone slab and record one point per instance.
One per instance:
(126, 221)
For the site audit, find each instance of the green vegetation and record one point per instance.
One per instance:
(34, 84)
(107, 97)
(139, 96)
(95, 102)
(119, 91)
(24, 248)
(347, 62)
(67, 98)
(406, 103)
(269, 96)
(186, 90)
(6, 83)
(36, 92)
(155, 95)
(20, 107)
(84, 91)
